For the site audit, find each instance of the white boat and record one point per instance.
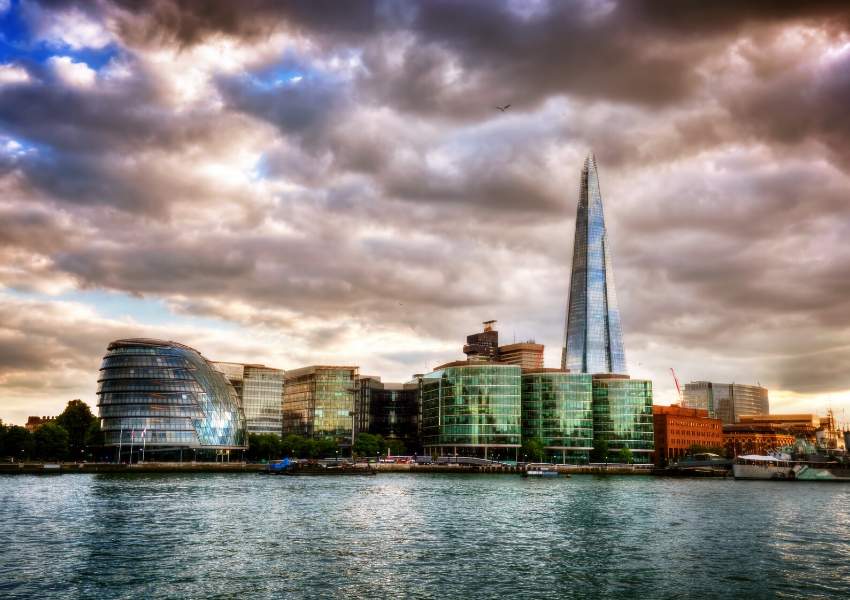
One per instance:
(755, 466)
(540, 470)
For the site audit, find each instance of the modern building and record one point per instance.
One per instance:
(167, 397)
(593, 339)
(622, 415)
(319, 401)
(484, 347)
(472, 409)
(678, 429)
(557, 409)
(390, 410)
(726, 401)
(527, 355)
(260, 390)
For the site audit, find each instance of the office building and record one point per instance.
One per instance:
(390, 410)
(557, 409)
(678, 429)
(260, 389)
(726, 401)
(593, 340)
(167, 396)
(622, 415)
(35, 422)
(319, 401)
(472, 409)
(484, 347)
(528, 355)
(757, 438)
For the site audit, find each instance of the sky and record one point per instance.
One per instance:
(321, 182)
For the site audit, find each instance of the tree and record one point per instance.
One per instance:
(625, 456)
(600, 451)
(395, 447)
(51, 441)
(76, 419)
(533, 449)
(264, 446)
(292, 445)
(15, 442)
(367, 445)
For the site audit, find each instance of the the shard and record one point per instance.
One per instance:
(593, 340)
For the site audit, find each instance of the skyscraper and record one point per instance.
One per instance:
(593, 340)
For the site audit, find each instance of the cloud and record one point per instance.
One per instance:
(337, 186)
(77, 74)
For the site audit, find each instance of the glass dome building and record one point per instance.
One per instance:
(165, 395)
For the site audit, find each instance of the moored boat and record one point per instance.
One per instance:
(540, 470)
(754, 466)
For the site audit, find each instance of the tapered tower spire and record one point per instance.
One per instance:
(593, 339)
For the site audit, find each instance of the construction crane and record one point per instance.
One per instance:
(678, 387)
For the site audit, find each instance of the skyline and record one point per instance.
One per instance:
(289, 186)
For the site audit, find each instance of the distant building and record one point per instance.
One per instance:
(593, 340)
(527, 355)
(34, 423)
(472, 409)
(557, 409)
(260, 390)
(622, 415)
(803, 425)
(756, 438)
(167, 397)
(484, 347)
(390, 410)
(319, 401)
(677, 429)
(726, 401)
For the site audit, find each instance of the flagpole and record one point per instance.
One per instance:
(144, 439)
(120, 439)
(132, 437)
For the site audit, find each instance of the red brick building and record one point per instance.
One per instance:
(677, 429)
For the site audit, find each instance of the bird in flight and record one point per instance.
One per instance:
(504, 108)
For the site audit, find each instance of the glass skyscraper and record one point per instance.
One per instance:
(593, 340)
(260, 390)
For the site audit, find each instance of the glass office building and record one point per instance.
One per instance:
(557, 409)
(726, 401)
(260, 390)
(472, 409)
(593, 340)
(622, 415)
(390, 410)
(166, 395)
(319, 401)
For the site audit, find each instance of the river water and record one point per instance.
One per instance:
(420, 536)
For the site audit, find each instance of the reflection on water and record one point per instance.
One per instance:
(395, 535)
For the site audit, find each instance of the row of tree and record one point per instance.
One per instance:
(73, 435)
(268, 446)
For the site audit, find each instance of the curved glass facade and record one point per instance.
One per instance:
(593, 341)
(622, 415)
(557, 408)
(473, 410)
(168, 395)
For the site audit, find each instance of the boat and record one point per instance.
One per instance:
(756, 466)
(822, 472)
(703, 464)
(540, 470)
(291, 467)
